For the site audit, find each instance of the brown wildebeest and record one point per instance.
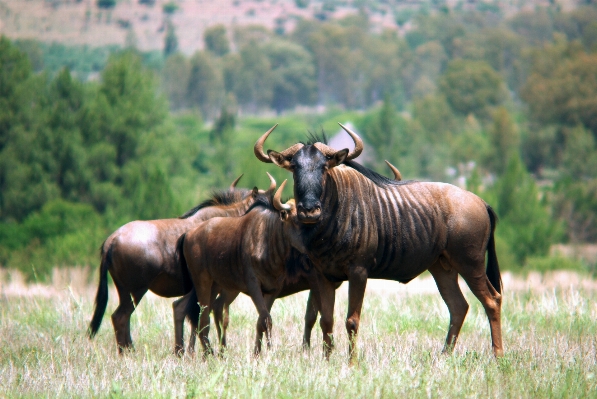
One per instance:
(304, 278)
(247, 254)
(140, 256)
(357, 224)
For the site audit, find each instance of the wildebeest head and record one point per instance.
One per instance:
(308, 164)
(288, 215)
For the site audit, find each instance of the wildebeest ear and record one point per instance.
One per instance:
(255, 192)
(337, 158)
(279, 159)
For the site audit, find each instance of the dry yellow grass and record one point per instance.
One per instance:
(549, 336)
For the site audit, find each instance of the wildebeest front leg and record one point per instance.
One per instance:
(327, 297)
(264, 322)
(221, 309)
(313, 306)
(447, 284)
(203, 285)
(310, 317)
(357, 282)
(264, 325)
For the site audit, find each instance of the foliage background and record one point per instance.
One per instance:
(503, 104)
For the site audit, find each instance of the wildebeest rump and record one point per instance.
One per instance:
(140, 256)
(246, 254)
(356, 224)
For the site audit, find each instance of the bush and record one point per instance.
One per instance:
(61, 233)
(551, 263)
(106, 3)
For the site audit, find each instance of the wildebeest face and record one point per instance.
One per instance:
(308, 166)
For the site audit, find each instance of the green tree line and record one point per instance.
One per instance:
(503, 107)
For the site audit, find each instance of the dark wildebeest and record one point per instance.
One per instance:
(246, 254)
(356, 224)
(140, 256)
(304, 277)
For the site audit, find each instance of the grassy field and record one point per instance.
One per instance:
(548, 322)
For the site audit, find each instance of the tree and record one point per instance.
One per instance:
(504, 141)
(14, 69)
(254, 82)
(565, 94)
(131, 105)
(107, 4)
(175, 79)
(293, 75)
(536, 26)
(216, 40)
(205, 88)
(526, 223)
(579, 158)
(170, 41)
(338, 50)
(471, 87)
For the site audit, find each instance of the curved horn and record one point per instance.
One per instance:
(358, 143)
(290, 151)
(277, 202)
(272, 184)
(258, 149)
(397, 174)
(233, 185)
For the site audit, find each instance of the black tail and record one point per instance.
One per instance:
(187, 282)
(192, 309)
(101, 298)
(493, 267)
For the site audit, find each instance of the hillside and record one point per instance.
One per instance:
(82, 22)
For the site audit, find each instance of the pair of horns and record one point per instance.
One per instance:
(271, 188)
(326, 150)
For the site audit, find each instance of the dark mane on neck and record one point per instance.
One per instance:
(262, 201)
(375, 177)
(219, 197)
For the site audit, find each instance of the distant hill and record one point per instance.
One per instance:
(83, 22)
(142, 22)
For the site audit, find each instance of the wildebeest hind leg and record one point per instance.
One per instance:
(121, 318)
(447, 284)
(491, 300)
(179, 309)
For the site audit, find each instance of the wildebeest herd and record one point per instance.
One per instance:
(345, 223)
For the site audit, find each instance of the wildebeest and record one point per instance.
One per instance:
(356, 224)
(304, 278)
(140, 256)
(246, 254)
